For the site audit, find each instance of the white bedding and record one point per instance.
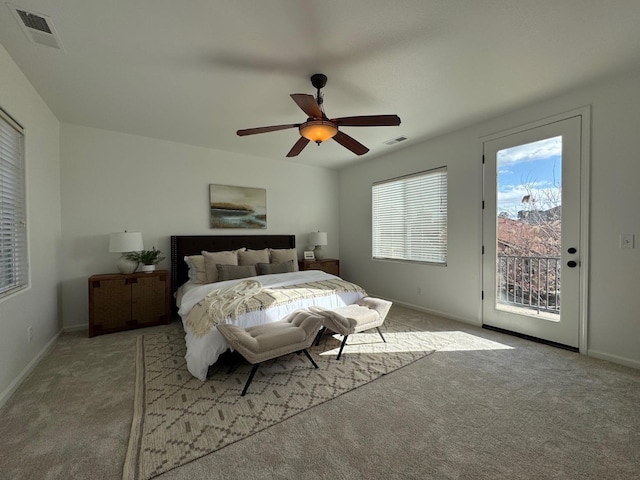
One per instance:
(204, 351)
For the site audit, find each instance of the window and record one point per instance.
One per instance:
(13, 235)
(410, 217)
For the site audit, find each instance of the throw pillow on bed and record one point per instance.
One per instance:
(269, 268)
(280, 255)
(212, 259)
(197, 271)
(233, 272)
(251, 257)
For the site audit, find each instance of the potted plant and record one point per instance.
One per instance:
(148, 258)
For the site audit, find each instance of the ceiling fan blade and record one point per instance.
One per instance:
(272, 128)
(350, 143)
(308, 104)
(298, 147)
(368, 121)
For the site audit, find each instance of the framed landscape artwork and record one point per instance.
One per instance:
(237, 207)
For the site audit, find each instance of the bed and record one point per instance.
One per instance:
(255, 299)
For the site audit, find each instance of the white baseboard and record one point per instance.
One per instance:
(436, 313)
(13, 386)
(75, 328)
(628, 362)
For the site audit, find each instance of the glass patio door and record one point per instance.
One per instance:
(532, 231)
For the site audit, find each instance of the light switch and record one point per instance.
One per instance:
(627, 240)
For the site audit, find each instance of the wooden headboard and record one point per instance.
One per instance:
(183, 245)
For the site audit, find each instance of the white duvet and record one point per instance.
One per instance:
(204, 351)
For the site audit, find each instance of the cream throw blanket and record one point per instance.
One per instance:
(250, 296)
(220, 304)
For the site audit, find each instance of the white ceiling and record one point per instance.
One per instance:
(197, 71)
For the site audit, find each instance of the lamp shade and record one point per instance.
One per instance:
(125, 242)
(318, 238)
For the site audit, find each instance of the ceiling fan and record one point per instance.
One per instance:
(319, 128)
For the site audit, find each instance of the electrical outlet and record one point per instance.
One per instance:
(419, 291)
(626, 240)
(30, 333)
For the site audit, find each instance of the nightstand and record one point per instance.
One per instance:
(329, 265)
(126, 301)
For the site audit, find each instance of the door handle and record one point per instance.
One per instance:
(572, 264)
(572, 250)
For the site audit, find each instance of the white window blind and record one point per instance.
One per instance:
(13, 235)
(410, 217)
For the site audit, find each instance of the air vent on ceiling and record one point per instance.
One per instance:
(37, 27)
(399, 139)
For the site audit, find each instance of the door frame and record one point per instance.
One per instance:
(585, 156)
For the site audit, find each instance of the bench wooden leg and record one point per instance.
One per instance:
(344, 342)
(246, 385)
(320, 334)
(310, 359)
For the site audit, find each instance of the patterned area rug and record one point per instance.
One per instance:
(178, 418)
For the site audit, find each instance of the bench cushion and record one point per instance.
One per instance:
(366, 313)
(264, 342)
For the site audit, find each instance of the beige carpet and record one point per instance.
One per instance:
(484, 406)
(178, 418)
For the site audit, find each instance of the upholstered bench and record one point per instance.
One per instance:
(366, 313)
(295, 333)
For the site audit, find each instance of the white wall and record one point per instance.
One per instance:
(114, 181)
(38, 305)
(454, 290)
(441, 287)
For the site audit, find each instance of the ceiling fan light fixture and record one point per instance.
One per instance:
(318, 130)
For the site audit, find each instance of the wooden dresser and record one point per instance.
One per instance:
(329, 265)
(122, 302)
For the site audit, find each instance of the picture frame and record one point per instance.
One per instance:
(237, 207)
(308, 255)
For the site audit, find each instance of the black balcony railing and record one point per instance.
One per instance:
(529, 282)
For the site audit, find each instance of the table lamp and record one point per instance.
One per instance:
(318, 239)
(125, 242)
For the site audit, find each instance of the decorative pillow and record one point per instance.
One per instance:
(280, 255)
(197, 271)
(233, 272)
(268, 268)
(211, 259)
(251, 257)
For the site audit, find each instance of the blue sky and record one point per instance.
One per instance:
(537, 165)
